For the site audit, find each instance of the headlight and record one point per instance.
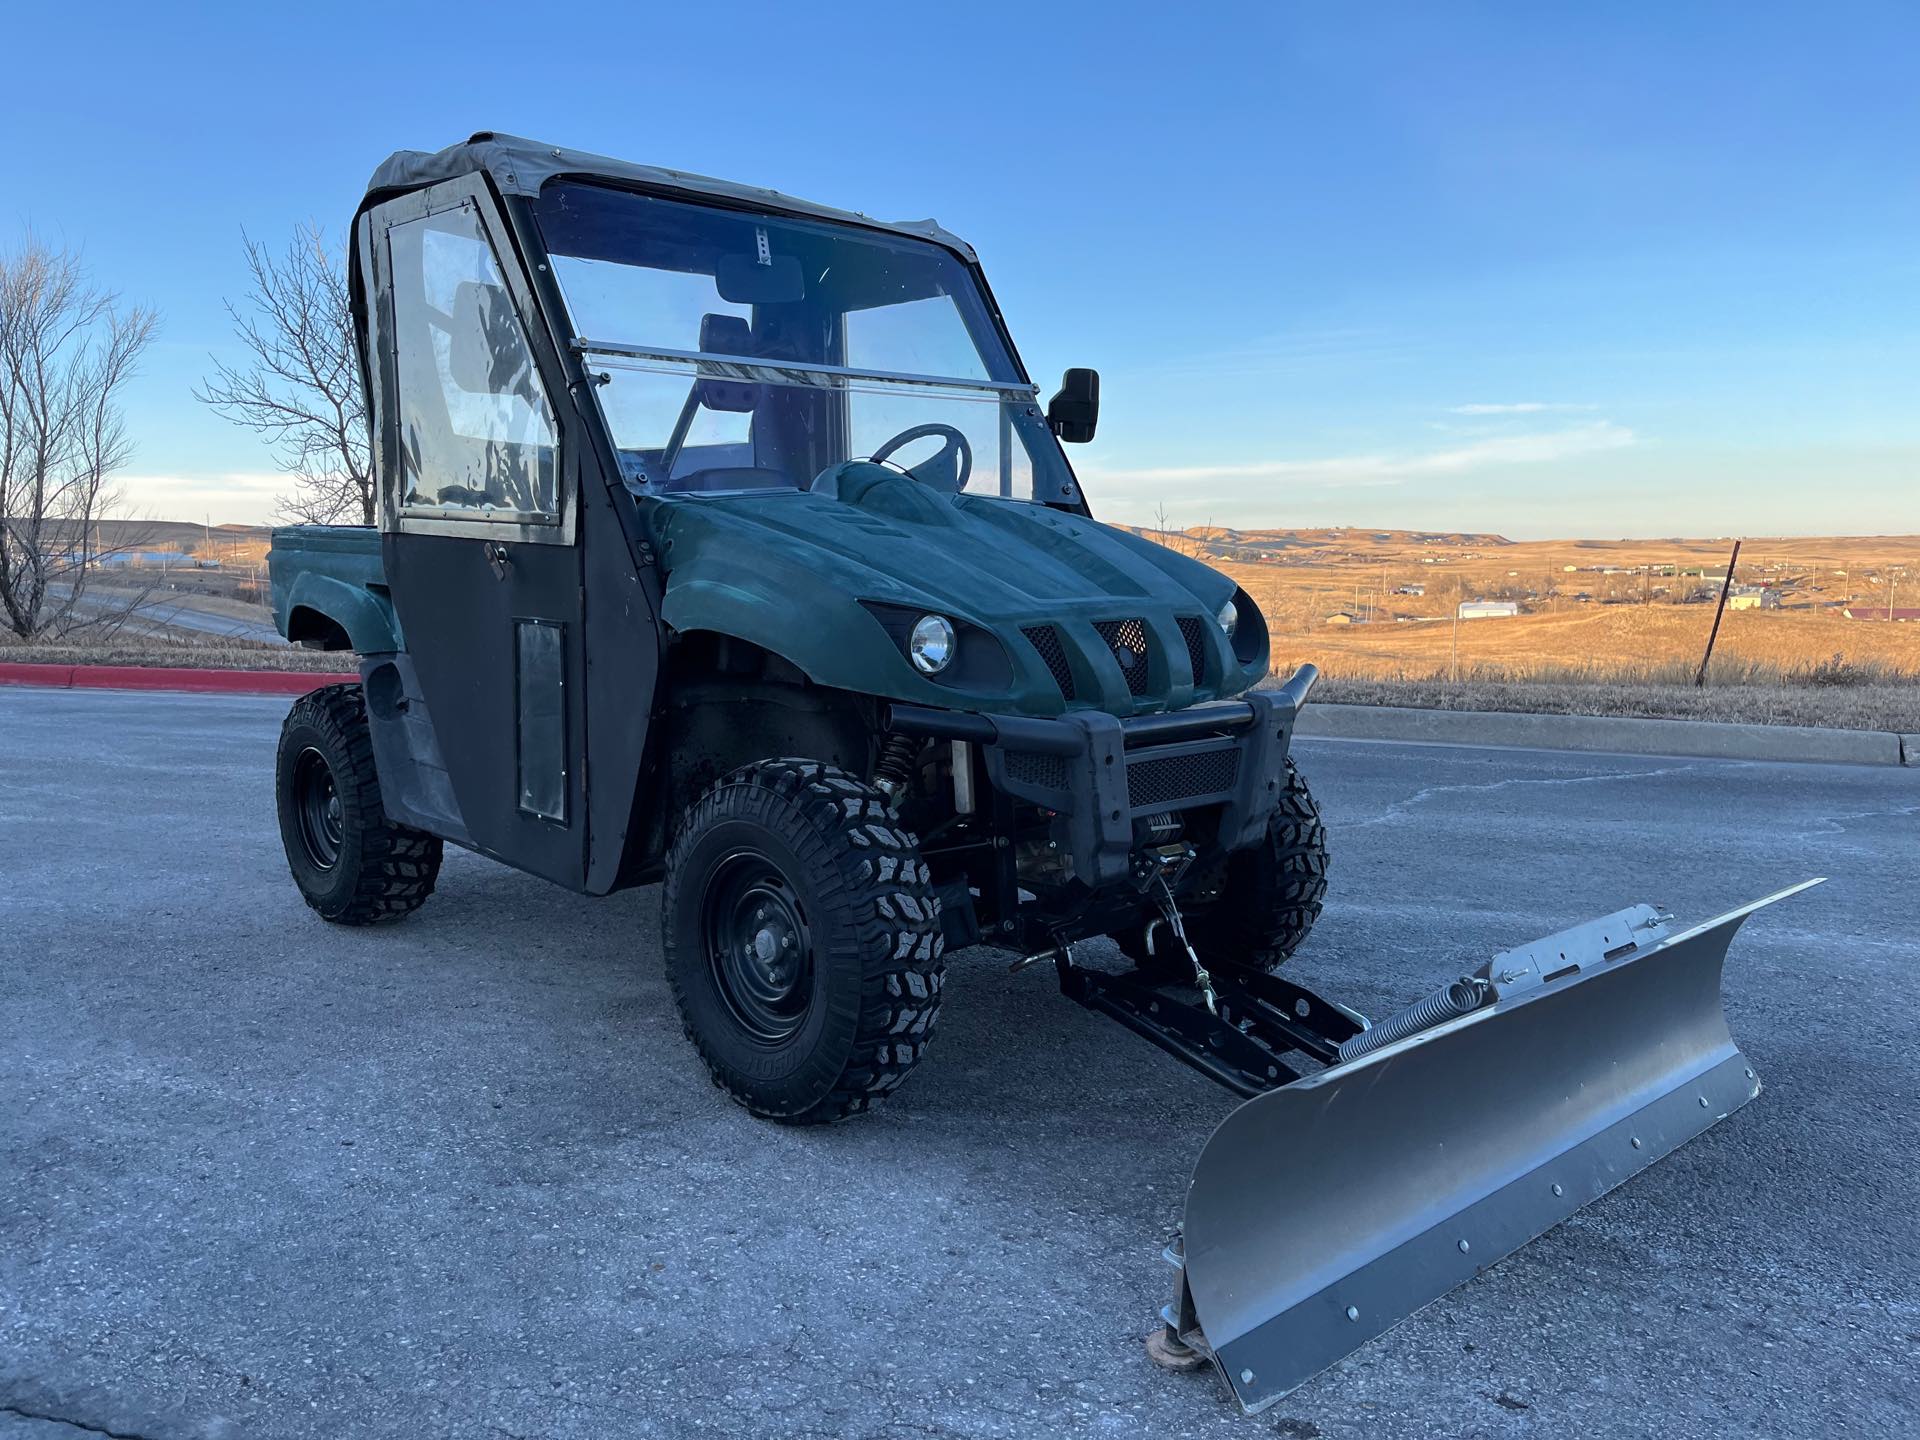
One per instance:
(931, 644)
(1229, 618)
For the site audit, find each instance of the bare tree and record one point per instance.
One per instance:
(300, 386)
(66, 351)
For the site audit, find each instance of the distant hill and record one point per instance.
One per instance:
(1251, 546)
(173, 534)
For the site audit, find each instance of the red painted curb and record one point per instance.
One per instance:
(151, 677)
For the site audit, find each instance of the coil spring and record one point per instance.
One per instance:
(893, 771)
(1459, 998)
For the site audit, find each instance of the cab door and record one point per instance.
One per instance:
(480, 523)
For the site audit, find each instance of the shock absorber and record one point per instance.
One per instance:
(893, 771)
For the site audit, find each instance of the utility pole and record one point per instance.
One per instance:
(1700, 677)
(1453, 665)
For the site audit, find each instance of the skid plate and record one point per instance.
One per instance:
(1324, 1213)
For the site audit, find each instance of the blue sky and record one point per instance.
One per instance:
(1624, 269)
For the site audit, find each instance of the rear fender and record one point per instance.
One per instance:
(367, 619)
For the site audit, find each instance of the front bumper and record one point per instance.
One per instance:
(1101, 773)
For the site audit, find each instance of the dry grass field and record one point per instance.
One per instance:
(183, 654)
(1600, 611)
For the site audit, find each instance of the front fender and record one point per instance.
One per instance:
(815, 625)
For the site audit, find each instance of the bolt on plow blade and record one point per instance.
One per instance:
(1325, 1212)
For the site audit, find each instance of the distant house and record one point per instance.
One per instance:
(1488, 609)
(1880, 612)
(1342, 617)
(1753, 597)
(1409, 589)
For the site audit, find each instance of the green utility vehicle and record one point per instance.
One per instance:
(724, 542)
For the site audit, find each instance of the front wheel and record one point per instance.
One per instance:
(802, 940)
(1271, 894)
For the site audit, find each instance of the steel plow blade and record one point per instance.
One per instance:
(1324, 1213)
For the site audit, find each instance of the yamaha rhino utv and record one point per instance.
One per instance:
(724, 542)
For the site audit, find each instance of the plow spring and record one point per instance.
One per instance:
(1333, 1204)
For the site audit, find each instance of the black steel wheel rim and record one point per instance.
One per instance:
(317, 808)
(754, 929)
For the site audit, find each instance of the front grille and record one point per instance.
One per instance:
(1193, 631)
(1169, 779)
(1127, 639)
(1046, 772)
(1046, 640)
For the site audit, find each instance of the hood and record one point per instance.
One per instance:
(1085, 616)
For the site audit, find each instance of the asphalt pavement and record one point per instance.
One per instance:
(465, 1177)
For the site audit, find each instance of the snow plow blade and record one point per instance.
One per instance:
(1324, 1212)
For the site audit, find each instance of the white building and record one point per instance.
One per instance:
(1488, 609)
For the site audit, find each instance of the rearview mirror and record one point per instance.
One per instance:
(1075, 408)
(749, 280)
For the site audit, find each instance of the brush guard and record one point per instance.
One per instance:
(1334, 1204)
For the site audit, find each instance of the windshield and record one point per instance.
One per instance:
(747, 351)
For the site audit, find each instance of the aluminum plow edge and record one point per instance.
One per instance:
(1324, 1213)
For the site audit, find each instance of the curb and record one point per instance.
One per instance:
(149, 677)
(1693, 739)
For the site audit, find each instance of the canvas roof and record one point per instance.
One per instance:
(520, 167)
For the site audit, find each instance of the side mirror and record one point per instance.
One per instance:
(1074, 410)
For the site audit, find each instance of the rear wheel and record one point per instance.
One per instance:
(1271, 895)
(352, 864)
(802, 940)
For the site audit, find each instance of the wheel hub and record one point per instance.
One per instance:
(757, 946)
(317, 806)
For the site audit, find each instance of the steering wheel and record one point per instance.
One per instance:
(954, 457)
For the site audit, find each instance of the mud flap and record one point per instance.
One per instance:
(1323, 1213)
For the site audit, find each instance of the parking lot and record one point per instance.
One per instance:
(464, 1176)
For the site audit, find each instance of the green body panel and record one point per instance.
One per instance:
(336, 572)
(787, 569)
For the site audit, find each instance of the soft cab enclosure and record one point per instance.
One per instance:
(590, 378)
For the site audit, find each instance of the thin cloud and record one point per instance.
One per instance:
(234, 497)
(1361, 470)
(1517, 407)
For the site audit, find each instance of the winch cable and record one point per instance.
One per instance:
(1170, 913)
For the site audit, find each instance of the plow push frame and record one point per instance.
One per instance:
(1439, 1140)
